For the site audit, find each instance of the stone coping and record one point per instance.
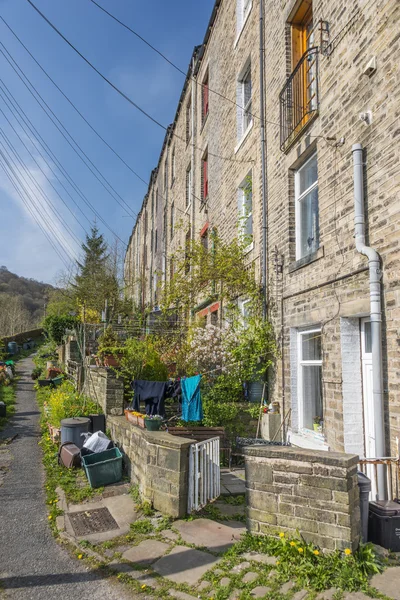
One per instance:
(160, 438)
(337, 459)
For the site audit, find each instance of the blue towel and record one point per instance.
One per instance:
(192, 408)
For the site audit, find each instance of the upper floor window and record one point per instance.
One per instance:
(204, 98)
(204, 177)
(243, 8)
(188, 121)
(302, 31)
(165, 174)
(172, 222)
(173, 166)
(306, 211)
(157, 202)
(188, 185)
(155, 241)
(244, 93)
(152, 205)
(245, 207)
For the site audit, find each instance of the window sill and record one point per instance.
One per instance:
(306, 260)
(244, 137)
(248, 248)
(242, 27)
(308, 439)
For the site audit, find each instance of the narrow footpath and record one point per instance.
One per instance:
(32, 564)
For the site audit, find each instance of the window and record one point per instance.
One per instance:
(310, 379)
(172, 222)
(204, 177)
(165, 223)
(243, 8)
(157, 202)
(204, 98)
(171, 268)
(173, 166)
(245, 207)
(152, 206)
(244, 91)
(155, 241)
(188, 185)
(306, 210)
(165, 174)
(188, 121)
(187, 251)
(244, 308)
(214, 318)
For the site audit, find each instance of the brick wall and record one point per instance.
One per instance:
(158, 462)
(312, 492)
(102, 385)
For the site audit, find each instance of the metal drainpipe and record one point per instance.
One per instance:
(264, 267)
(193, 97)
(375, 276)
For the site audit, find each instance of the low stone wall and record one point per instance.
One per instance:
(20, 338)
(158, 462)
(311, 491)
(102, 385)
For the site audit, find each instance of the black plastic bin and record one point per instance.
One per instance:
(364, 484)
(384, 524)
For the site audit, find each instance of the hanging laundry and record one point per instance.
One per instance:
(192, 407)
(152, 393)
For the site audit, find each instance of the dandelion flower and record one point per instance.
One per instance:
(50, 501)
(80, 556)
(143, 586)
(281, 535)
(300, 550)
(49, 517)
(292, 543)
(316, 552)
(277, 562)
(347, 552)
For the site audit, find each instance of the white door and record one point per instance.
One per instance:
(368, 399)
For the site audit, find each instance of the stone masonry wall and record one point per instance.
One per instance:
(158, 462)
(310, 491)
(102, 385)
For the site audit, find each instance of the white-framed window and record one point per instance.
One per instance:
(245, 208)
(306, 208)
(244, 97)
(244, 308)
(309, 380)
(243, 8)
(188, 185)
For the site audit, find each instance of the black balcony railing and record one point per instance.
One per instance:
(299, 98)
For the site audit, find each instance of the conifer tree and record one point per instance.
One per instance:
(96, 280)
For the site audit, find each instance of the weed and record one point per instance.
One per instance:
(142, 526)
(8, 396)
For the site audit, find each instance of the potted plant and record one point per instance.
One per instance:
(318, 424)
(153, 423)
(109, 352)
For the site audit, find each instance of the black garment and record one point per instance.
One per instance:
(153, 395)
(174, 389)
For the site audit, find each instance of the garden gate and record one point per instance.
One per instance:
(204, 473)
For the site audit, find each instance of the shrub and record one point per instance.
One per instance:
(64, 402)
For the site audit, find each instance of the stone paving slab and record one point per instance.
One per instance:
(230, 510)
(185, 565)
(327, 595)
(260, 558)
(233, 483)
(215, 536)
(181, 595)
(250, 576)
(259, 591)
(388, 582)
(141, 577)
(241, 567)
(146, 552)
(171, 535)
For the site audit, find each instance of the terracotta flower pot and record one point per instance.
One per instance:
(131, 417)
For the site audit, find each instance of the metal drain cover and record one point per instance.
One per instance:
(92, 521)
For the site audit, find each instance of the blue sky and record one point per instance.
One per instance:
(174, 28)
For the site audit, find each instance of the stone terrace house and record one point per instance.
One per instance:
(331, 80)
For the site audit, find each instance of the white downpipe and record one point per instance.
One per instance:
(375, 277)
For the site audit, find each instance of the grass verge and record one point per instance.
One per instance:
(9, 397)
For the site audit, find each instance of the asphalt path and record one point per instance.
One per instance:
(33, 565)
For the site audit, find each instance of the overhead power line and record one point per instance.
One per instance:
(22, 77)
(37, 185)
(60, 166)
(28, 207)
(121, 93)
(41, 169)
(41, 210)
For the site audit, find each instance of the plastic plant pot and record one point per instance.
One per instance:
(153, 424)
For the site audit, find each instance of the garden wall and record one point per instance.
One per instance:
(20, 338)
(102, 386)
(158, 462)
(314, 492)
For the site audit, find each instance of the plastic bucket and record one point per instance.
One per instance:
(103, 468)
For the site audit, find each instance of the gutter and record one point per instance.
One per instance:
(375, 279)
